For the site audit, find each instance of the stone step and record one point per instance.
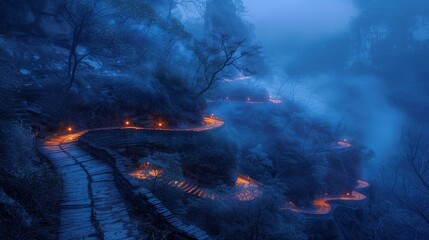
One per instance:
(103, 177)
(84, 159)
(99, 169)
(109, 208)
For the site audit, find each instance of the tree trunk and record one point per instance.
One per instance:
(70, 64)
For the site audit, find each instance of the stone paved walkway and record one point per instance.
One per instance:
(92, 206)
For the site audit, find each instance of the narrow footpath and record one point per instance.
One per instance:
(92, 206)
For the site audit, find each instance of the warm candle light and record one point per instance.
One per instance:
(321, 205)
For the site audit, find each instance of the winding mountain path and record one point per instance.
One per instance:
(92, 206)
(321, 206)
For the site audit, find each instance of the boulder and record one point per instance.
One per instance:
(14, 209)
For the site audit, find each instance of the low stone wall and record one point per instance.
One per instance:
(100, 142)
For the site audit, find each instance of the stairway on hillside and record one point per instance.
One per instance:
(92, 206)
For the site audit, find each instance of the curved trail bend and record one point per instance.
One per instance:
(321, 206)
(92, 206)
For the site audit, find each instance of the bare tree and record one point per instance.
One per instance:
(161, 168)
(412, 179)
(80, 16)
(219, 58)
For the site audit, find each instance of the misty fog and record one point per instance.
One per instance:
(214, 119)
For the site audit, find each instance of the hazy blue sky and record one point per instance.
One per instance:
(276, 20)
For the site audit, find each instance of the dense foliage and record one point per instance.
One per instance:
(95, 63)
